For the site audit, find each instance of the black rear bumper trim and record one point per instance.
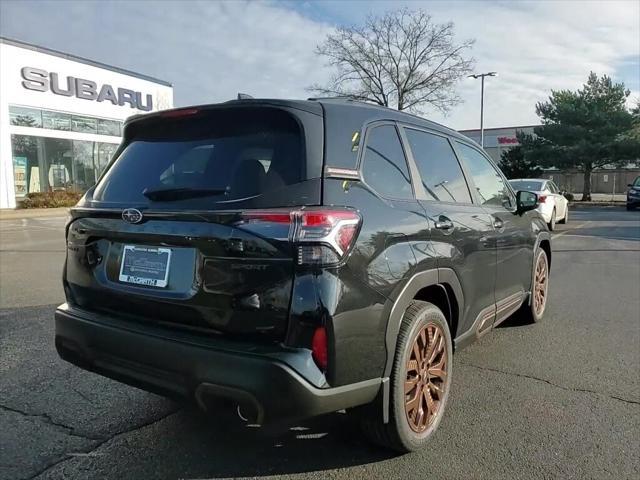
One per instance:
(176, 368)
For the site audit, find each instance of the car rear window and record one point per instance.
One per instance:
(525, 185)
(216, 157)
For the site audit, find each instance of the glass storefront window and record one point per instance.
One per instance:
(27, 152)
(58, 163)
(56, 120)
(83, 165)
(25, 117)
(106, 151)
(43, 164)
(109, 127)
(84, 124)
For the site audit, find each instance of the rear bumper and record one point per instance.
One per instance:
(545, 209)
(269, 389)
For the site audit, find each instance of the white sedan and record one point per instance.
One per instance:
(553, 205)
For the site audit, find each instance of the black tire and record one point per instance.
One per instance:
(529, 309)
(552, 222)
(398, 434)
(565, 220)
(629, 208)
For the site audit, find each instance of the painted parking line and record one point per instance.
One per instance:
(556, 235)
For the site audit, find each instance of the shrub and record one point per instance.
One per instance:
(55, 199)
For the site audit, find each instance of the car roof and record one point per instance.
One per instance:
(529, 180)
(379, 112)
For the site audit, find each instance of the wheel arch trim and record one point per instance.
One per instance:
(420, 280)
(426, 278)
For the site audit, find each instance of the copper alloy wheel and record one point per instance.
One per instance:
(540, 285)
(425, 382)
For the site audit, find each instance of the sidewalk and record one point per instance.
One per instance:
(11, 214)
(603, 197)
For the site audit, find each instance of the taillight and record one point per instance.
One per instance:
(542, 198)
(319, 350)
(323, 236)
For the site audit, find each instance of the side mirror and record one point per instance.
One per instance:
(629, 185)
(526, 201)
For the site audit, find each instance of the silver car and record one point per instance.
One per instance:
(554, 207)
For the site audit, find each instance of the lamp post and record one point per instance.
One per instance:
(481, 77)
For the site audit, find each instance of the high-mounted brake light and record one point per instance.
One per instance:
(323, 236)
(182, 112)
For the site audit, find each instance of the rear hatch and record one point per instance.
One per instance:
(184, 228)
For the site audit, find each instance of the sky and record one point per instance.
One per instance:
(212, 50)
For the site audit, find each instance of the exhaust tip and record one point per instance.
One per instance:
(212, 398)
(239, 412)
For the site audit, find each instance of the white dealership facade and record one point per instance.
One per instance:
(61, 117)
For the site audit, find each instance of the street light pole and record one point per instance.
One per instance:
(481, 77)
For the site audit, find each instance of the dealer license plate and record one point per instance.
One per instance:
(145, 265)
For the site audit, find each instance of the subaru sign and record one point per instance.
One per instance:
(40, 80)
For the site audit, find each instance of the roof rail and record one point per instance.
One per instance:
(337, 97)
(346, 98)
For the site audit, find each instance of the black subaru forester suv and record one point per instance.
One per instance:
(297, 258)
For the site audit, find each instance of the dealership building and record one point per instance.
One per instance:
(498, 140)
(61, 117)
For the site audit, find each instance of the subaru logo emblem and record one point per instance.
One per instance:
(132, 215)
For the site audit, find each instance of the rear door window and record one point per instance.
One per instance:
(219, 157)
(385, 166)
(439, 169)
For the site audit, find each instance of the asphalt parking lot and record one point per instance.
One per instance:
(560, 399)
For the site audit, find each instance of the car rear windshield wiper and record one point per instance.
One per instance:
(183, 193)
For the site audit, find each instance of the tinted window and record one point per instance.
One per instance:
(109, 127)
(489, 184)
(25, 117)
(439, 169)
(239, 154)
(31, 117)
(552, 187)
(636, 182)
(84, 124)
(385, 167)
(56, 120)
(526, 185)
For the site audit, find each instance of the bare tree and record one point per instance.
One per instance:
(401, 60)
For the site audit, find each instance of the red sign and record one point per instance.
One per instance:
(508, 141)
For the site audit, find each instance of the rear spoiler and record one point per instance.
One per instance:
(307, 106)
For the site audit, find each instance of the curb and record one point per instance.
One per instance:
(33, 213)
(597, 204)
